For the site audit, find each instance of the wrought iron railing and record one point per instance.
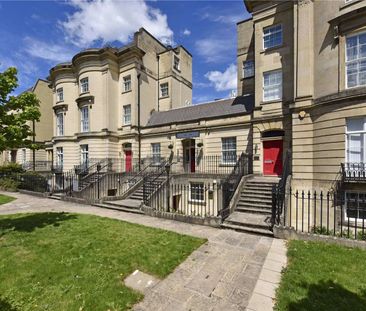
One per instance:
(44, 166)
(326, 213)
(279, 191)
(242, 167)
(353, 172)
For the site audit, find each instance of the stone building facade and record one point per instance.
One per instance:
(305, 63)
(103, 97)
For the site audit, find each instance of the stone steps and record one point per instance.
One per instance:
(253, 211)
(128, 205)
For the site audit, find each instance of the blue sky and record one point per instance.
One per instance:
(36, 35)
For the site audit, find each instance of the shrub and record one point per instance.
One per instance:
(33, 182)
(11, 168)
(9, 184)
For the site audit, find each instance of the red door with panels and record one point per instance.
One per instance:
(272, 157)
(128, 156)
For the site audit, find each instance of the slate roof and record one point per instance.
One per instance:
(240, 105)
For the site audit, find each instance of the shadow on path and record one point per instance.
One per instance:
(329, 296)
(28, 223)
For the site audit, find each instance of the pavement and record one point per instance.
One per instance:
(232, 271)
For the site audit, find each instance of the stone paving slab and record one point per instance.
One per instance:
(220, 275)
(140, 281)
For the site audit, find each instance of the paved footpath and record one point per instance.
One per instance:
(232, 271)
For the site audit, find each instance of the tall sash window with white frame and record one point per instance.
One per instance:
(84, 119)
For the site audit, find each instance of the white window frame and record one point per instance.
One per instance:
(176, 63)
(84, 154)
(60, 125)
(280, 85)
(354, 61)
(352, 219)
(127, 83)
(362, 133)
(248, 73)
(60, 156)
(60, 94)
(156, 152)
(192, 197)
(164, 89)
(271, 34)
(84, 119)
(84, 85)
(224, 151)
(126, 116)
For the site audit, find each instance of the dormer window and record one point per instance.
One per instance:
(176, 63)
(60, 94)
(127, 84)
(84, 85)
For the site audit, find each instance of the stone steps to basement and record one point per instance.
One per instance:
(254, 210)
(128, 205)
(254, 204)
(246, 229)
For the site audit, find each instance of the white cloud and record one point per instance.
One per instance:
(216, 49)
(230, 18)
(186, 32)
(110, 21)
(223, 81)
(48, 51)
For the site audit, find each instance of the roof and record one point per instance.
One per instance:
(240, 105)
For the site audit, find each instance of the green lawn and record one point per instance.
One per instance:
(5, 199)
(60, 261)
(323, 277)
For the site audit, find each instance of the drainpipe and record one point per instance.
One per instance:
(139, 118)
(157, 81)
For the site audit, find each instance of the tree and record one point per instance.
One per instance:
(16, 113)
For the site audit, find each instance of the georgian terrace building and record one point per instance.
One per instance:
(103, 97)
(305, 64)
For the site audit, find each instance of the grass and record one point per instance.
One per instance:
(60, 261)
(5, 199)
(323, 277)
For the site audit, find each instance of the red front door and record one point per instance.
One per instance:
(193, 160)
(128, 155)
(272, 157)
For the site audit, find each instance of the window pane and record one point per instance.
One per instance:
(355, 125)
(356, 60)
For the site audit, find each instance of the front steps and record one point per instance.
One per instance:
(253, 211)
(127, 205)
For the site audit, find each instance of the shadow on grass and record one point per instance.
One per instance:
(28, 223)
(329, 296)
(6, 306)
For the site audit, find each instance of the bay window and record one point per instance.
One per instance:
(355, 140)
(60, 123)
(356, 60)
(84, 85)
(84, 119)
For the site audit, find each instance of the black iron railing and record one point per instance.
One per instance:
(183, 198)
(327, 213)
(242, 167)
(353, 172)
(39, 166)
(279, 191)
(153, 181)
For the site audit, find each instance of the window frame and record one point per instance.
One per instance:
(84, 82)
(175, 57)
(223, 151)
(357, 61)
(84, 122)
(264, 35)
(349, 133)
(281, 85)
(244, 69)
(127, 81)
(60, 155)
(125, 115)
(161, 89)
(156, 154)
(60, 126)
(84, 154)
(354, 219)
(192, 192)
(60, 91)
